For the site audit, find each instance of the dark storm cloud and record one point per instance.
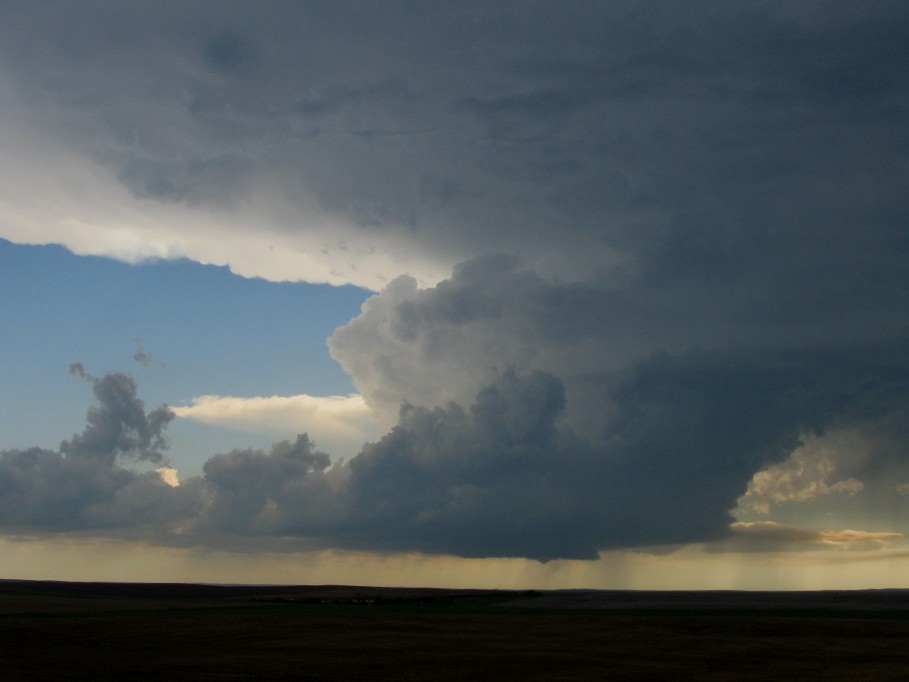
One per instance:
(210, 180)
(433, 345)
(736, 146)
(506, 476)
(287, 491)
(84, 485)
(682, 436)
(707, 209)
(118, 426)
(47, 491)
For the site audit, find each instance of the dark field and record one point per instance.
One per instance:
(143, 631)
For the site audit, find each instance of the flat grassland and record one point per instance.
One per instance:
(96, 631)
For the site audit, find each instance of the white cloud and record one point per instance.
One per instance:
(809, 471)
(769, 534)
(169, 476)
(51, 195)
(853, 536)
(337, 424)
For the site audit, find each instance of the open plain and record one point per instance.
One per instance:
(52, 630)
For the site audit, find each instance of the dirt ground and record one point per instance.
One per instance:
(118, 631)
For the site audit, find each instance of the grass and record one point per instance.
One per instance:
(85, 631)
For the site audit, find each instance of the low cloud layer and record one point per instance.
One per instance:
(502, 476)
(770, 536)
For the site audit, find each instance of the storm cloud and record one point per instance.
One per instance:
(630, 261)
(88, 483)
(747, 149)
(505, 476)
(681, 435)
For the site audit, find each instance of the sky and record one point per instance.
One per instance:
(469, 294)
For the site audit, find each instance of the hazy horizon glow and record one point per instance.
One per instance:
(690, 568)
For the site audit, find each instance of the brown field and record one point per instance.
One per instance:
(144, 631)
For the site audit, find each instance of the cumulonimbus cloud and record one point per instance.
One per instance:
(502, 476)
(699, 277)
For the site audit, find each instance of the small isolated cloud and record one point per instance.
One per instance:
(769, 535)
(144, 358)
(338, 423)
(809, 471)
